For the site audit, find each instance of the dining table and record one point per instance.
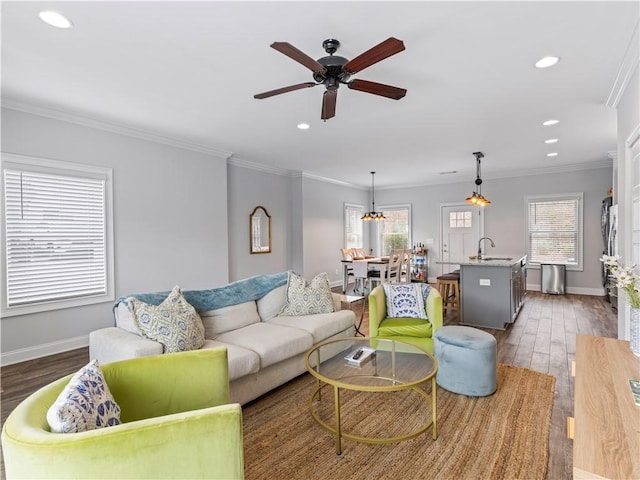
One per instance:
(373, 263)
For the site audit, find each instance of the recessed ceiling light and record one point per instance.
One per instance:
(303, 126)
(55, 19)
(449, 172)
(547, 62)
(550, 122)
(552, 154)
(551, 140)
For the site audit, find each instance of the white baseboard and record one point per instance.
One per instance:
(595, 292)
(31, 353)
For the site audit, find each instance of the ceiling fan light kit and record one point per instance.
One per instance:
(333, 70)
(373, 215)
(476, 198)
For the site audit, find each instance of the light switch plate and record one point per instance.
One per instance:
(485, 282)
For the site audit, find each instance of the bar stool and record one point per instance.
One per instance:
(448, 285)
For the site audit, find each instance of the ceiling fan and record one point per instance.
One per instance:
(333, 70)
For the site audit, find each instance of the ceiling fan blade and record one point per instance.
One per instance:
(329, 104)
(292, 52)
(278, 91)
(389, 47)
(377, 89)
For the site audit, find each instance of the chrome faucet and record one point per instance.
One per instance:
(479, 246)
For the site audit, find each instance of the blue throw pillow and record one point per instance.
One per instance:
(85, 403)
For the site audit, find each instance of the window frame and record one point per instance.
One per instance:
(579, 196)
(43, 165)
(386, 208)
(345, 210)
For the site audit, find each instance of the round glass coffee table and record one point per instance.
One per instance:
(370, 365)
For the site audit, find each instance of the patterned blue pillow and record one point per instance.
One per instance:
(174, 323)
(406, 299)
(85, 403)
(307, 299)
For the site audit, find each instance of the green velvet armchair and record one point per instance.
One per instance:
(411, 330)
(176, 423)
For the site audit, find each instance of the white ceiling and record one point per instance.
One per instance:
(189, 71)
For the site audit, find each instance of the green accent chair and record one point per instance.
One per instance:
(416, 331)
(176, 423)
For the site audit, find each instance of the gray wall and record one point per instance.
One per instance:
(307, 225)
(246, 189)
(323, 214)
(505, 218)
(170, 223)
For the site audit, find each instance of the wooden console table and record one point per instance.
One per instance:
(606, 421)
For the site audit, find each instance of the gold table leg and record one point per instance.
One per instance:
(433, 407)
(336, 399)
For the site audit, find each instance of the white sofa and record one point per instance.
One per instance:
(264, 350)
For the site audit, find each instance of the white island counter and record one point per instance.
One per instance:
(492, 289)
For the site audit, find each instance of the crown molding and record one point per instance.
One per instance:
(506, 174)
(239, 162)
(628, 66)
(319, 178)
(91, 122)
(608, 163)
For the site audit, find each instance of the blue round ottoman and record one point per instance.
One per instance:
(466, 360)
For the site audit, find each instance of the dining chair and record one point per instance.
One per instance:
(405, 267)
(391, 272)
(360, 274)
(347, 254)
(359, 253)
(396, 258)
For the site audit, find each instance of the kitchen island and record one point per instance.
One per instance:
(492, 289)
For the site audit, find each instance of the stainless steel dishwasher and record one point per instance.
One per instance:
(553, 277)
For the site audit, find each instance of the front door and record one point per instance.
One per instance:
(461, 227)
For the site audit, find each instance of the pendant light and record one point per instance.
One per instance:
(373, 215)
(476, 198)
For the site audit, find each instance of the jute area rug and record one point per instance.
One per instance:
(503, 436)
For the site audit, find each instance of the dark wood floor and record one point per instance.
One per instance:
(542, 339)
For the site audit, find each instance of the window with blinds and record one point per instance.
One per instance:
(555, 229)
(56, 237)
(353, 226)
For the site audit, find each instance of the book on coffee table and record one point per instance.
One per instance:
(360, 356)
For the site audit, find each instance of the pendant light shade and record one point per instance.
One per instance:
(476, 198)
(373, 215)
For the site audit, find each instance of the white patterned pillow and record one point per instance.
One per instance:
(405, 300)
(307, 299)
(85, 403)
(174, 323)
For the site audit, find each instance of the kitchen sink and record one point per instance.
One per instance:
(497, 258)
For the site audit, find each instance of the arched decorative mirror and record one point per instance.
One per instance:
(260, 231)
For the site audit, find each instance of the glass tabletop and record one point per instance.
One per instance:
(370, 364)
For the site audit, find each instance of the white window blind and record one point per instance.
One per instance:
(55, 236)
(555, 229)
(353, 226)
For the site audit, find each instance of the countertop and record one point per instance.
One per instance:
(490, 260)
